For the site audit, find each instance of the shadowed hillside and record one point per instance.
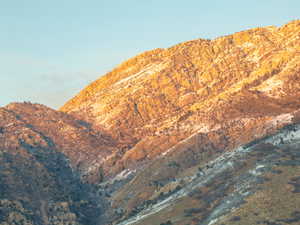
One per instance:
(40, 181)
(204, 132)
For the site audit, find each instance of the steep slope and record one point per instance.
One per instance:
(38, 187)
(257, 183)
(46, 159)
(205, 132)
(26, 124)
(240, 82)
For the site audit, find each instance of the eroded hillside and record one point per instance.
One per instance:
(34, 125)
(40, 184)
(44, 172)
(241, 82)
(257, 183)
(204, 132)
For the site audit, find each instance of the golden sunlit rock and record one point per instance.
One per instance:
(159, 98)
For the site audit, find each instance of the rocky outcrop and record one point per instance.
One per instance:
(182, 135)
(232, 89)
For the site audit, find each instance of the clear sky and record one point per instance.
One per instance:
(51, 49)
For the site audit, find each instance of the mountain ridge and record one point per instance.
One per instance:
(197, 133)
(165, 95)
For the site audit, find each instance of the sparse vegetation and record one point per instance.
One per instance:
(175, 120)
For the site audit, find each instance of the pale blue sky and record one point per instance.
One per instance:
(51, 49)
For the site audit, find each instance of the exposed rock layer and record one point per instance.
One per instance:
(233, 84)
(162, 119)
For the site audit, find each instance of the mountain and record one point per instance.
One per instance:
(35, 125)
(43, 173)
(181, 107)
(257, 183)
(215, 88)
(204, 132)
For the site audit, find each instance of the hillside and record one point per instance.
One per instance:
(204, 132)
(38, 184)
(35, 125)
(180, 108)
(155, 100)
(257, 183)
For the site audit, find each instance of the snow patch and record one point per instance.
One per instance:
(213, 221)
(203, 128)
(282, 119)
(150, 69)
(270, 85)
(9, 125)
(257, 171)
(248, 45)
(285, 137)
(124, 174)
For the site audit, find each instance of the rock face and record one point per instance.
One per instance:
(205, 132)
(231, 90)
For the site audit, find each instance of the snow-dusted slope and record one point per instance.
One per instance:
(241, 172)
(155, 100)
